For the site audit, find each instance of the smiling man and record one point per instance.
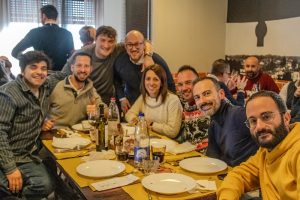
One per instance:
(194, 126)
(229, 138)
(129, 67)
(24, 103)
(276, 165)
(73, 98)
(257, 79)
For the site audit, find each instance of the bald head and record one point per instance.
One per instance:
(251, 67)
(134, 44)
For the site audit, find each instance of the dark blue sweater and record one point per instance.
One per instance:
(127, 76)
(229, 138)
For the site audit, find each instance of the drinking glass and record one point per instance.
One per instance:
(158, 152)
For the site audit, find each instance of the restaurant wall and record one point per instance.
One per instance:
(282, 38)
(189, 31)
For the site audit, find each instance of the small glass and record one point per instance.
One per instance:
(93, 133)
(122, 155)
(150, 166)
(158, 152)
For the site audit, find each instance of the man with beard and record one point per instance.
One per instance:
(74, 97)
(194, 124)
(276, 165)
(229, 138)
(257, 80)
(5, 73)
(128, 69)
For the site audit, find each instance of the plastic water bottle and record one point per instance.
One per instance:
(112, 121)
(142, 141)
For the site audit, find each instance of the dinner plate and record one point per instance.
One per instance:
(100, 168)
(169, 143)
(203, 165)
(83, 126)
(168, 183)
(70, 143)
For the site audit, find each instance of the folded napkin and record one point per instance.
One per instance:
(114, 182)
(103, 155)
(206, 185)
(182, 148)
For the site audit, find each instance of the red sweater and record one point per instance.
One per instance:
(264, 82)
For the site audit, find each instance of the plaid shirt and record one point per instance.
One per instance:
(21, 118)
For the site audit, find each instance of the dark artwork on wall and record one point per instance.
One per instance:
(240, 11)
(279, 67)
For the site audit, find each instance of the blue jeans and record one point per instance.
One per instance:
(37, 182)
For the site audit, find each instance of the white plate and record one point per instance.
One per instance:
(170, 144)
(203, 165)
(70, 143)
(100, 168)
(168, 183)
(79, 127)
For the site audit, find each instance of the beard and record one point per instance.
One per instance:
(251, 74)
(78, 79)
(278, 134)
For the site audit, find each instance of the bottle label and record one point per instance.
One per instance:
(141, 153)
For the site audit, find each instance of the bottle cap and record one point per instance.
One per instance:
(141, 114)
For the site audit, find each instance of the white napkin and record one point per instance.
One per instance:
(103, 155)
(182, 148)
(206, 185)
(114, 182)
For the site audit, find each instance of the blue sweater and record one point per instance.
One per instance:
(229, 138)
(127, 77)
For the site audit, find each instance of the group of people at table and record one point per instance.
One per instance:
(255, 137)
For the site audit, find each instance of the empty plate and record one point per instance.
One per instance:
(168, 183)
(100, 168)
(203, 165)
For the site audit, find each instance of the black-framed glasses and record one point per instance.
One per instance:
(136, 45)
(266, 117)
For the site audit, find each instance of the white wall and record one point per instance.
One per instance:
(282, 38)
(189, 31)
(114, 15)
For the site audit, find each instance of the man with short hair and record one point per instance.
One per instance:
(5, 70)
(220, 70)
(276, 165)
(55, 42)
(257, 79)
(194, 126)
(24, 103)
(104, 53)
(129, 67)
(229, 138)
(74, 97)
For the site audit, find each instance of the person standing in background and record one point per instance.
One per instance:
(87, 35)
(55, 42)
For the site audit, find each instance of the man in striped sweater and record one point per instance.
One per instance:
(24, 103)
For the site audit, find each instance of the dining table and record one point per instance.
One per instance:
(68, 161)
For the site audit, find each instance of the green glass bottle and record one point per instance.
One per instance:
(100, 140)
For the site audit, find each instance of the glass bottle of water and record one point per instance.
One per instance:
(112, 121)
(142, 141)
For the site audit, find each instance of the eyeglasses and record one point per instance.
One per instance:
(131, 45)
(266, 117)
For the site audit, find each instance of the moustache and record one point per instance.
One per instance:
(263, 131)
(205, 104)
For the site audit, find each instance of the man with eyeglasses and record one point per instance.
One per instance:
(129, 67)
(104, 53)
(229, 138)
(257, 79)
(276, 165)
